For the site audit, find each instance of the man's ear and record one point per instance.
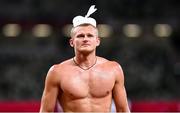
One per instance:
(71, 42)
(98, 41)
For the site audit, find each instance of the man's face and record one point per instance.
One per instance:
(84, 38)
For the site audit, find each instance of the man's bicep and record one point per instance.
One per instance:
(50, 92)
(120, 98)
(119, 91)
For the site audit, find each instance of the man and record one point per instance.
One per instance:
(86, 82)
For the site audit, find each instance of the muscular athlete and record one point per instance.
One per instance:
(86, 82)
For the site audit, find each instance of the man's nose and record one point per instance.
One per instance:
(85, 37)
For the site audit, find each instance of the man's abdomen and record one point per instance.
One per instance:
(88, 104)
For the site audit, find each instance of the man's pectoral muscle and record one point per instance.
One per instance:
(87, 91)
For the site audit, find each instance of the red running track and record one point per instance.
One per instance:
(136, 106)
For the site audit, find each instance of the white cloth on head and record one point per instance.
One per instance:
(79, 20)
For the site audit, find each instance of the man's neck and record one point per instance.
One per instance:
(85, 61)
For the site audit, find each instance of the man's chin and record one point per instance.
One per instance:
(86, 51)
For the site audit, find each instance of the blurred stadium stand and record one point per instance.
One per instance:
(151, 61)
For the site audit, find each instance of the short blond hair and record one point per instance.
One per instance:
(72, 30)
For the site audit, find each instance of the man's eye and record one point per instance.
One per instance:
(80, 36)
(90, 35)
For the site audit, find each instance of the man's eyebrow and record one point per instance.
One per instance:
(90, 34)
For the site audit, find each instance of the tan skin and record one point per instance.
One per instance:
(79, 89)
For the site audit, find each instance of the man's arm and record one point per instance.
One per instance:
(50, 92)
(119, 91)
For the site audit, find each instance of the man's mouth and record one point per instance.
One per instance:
(85, 44)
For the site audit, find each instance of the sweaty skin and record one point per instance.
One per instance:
(81, 90)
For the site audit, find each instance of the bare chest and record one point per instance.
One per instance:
(96, 83)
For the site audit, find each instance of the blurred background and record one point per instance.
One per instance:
(142, 35)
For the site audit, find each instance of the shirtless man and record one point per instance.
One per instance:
(86, 82)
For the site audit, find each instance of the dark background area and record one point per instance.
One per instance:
(151, 64)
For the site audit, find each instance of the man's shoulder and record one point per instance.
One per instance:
(108, 62)
(112, 66)
(57, 70)
(61, 65)
(66, 62)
